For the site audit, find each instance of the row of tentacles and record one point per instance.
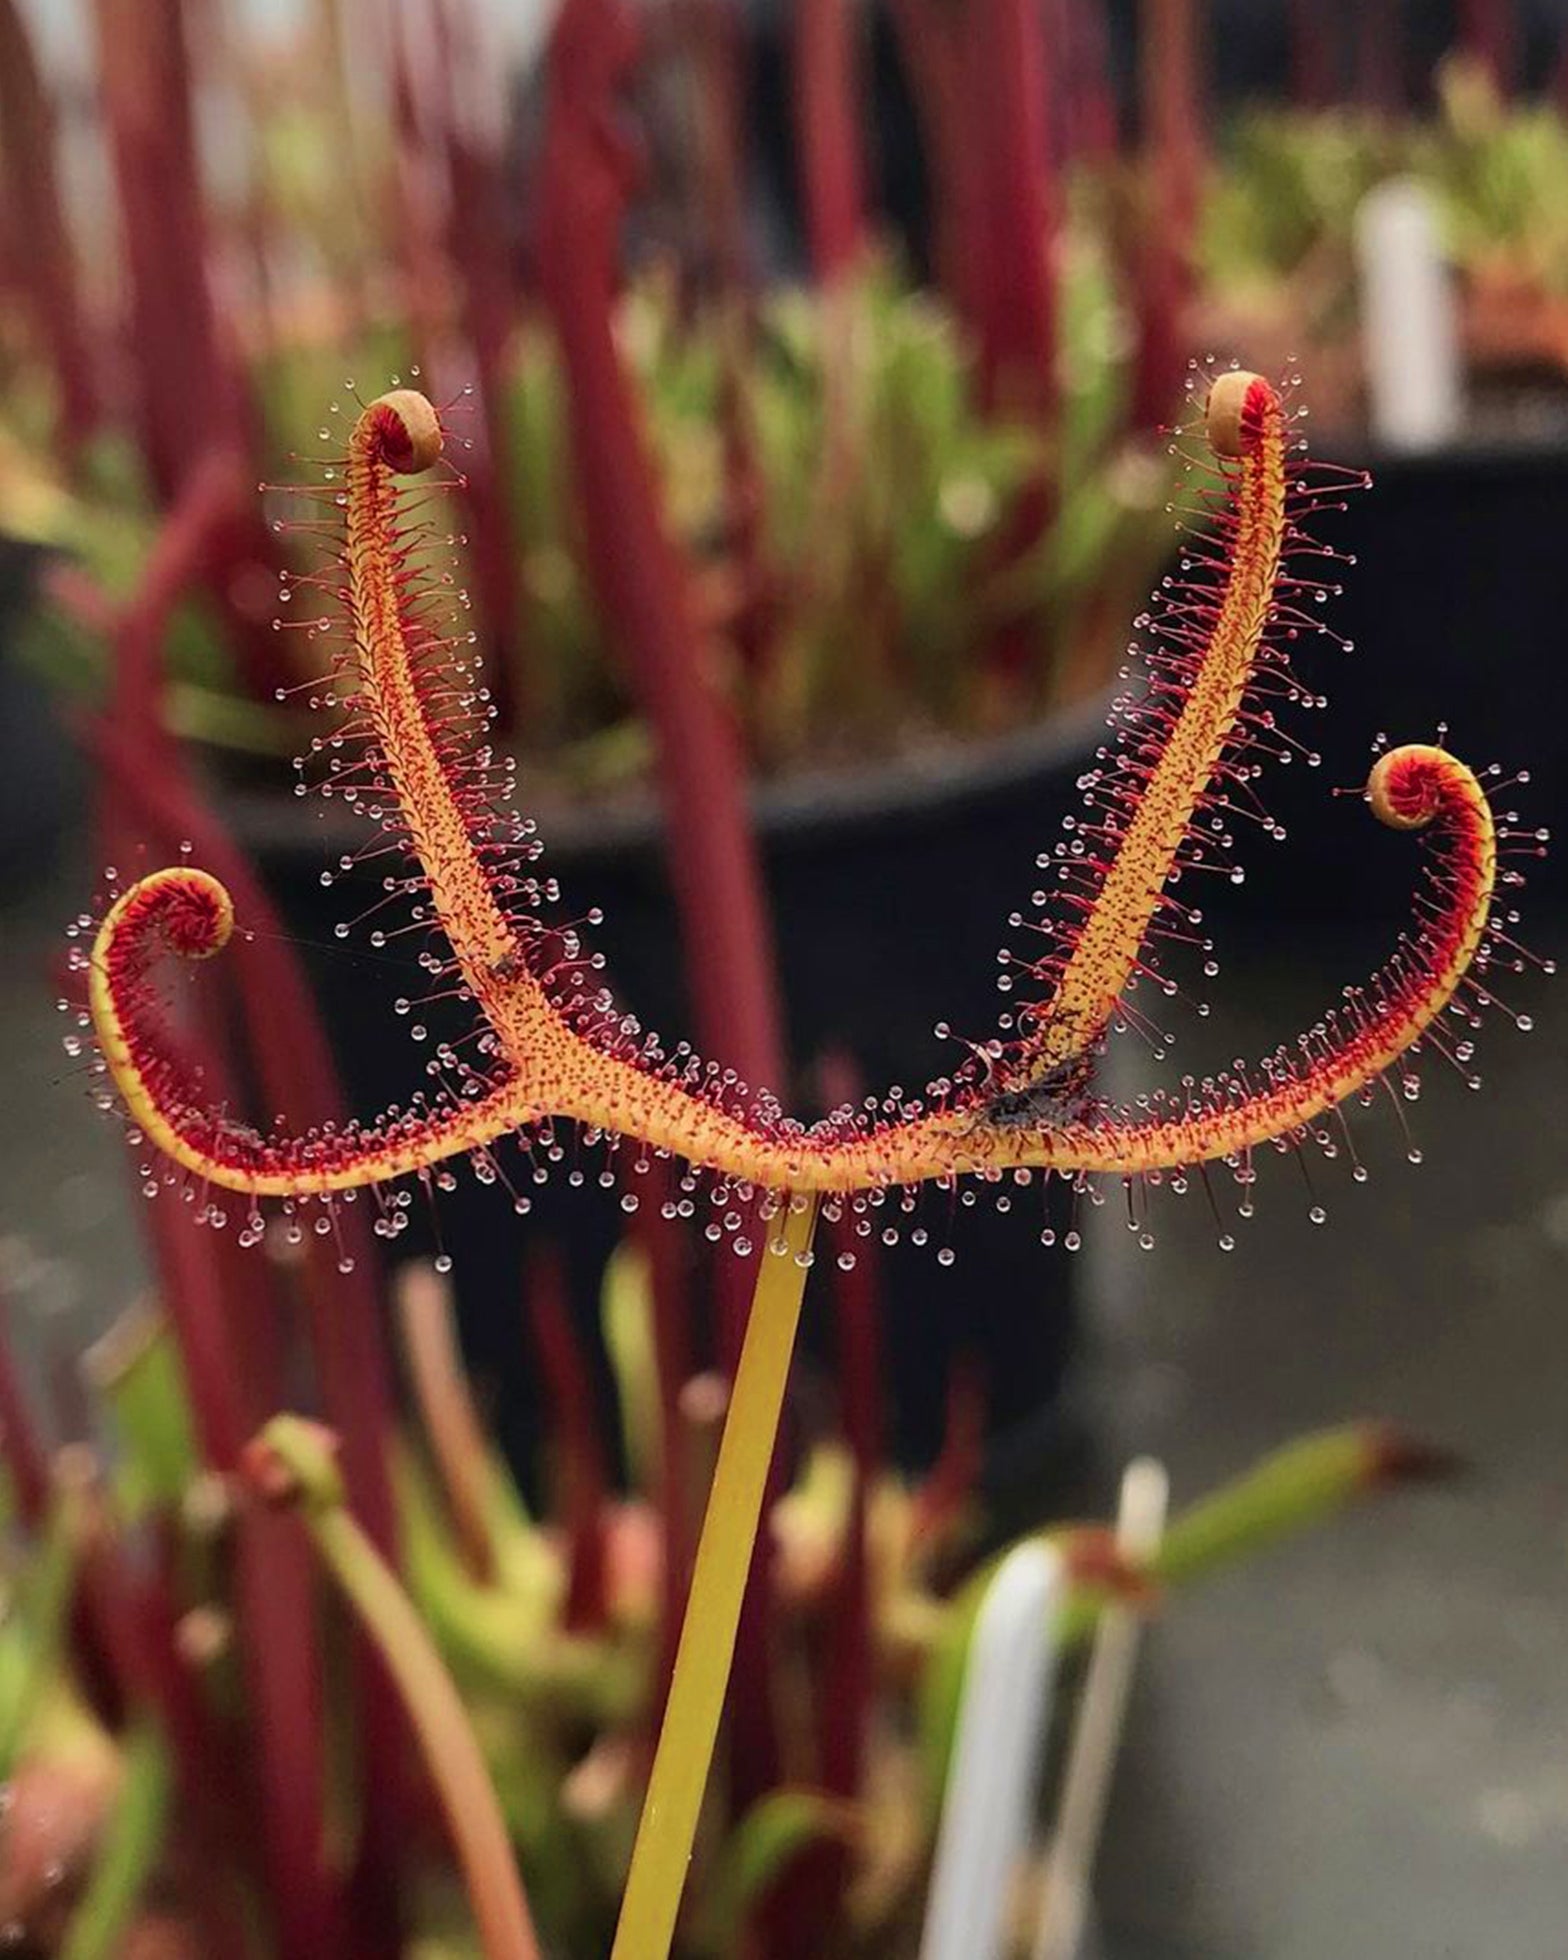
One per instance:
(557, 1048)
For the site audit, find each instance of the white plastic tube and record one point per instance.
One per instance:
(1102, 1712)
(991, 1786)
(1409, 333)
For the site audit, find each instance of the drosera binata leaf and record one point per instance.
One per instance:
(1162, 803)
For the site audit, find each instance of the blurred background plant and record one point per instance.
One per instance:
(1277, 250)
(141, 1790)
(904, 488)
(825, 458)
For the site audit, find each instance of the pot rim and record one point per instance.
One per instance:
(799, 809)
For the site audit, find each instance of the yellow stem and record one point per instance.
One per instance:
(451, 1754)
(707, 1645)
(446, 1406)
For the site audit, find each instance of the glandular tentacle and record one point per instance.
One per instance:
(1210, 629)
(1411, 787)
(186, 912)
(558, 1048)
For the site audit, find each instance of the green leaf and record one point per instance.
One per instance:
(136, 1371)
(42, 1609)
(507, 1637)
(760, 1850)
(1303, 1484)
(130, 1848)
(626, 1315)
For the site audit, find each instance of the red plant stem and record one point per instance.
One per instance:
(206, 1282)
(1160, 353)
(292, 1056)
(205, 1290)
(712, 36)
(37, 236)
(1169, 91)
(642, 585)
(802, 1915)
(705, 41)
(847, 1703)
(1089, 102)
(695, 50)
(497, 560)
(416, 226)
(827, 136)
(1006, 104)
(370, 35)
(19, 1442)
(275, 1606)
(210, 1287)
(981, 77)
(1312, 62)
(188, 399)
(857, 1294)
(246, 245)
(151, 790)
(579, 1455)
(143, 1616)
(754, 1756)
(929, 40)
(1173, 153)
(296, 1072)
(1489, 35)
(478, 242)
(1380, 78)
(951, 1480)
(639, 577)
(857, 1299)
(185, 397)
(293, 1059)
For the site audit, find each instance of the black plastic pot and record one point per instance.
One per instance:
(890, 890)
(35, 761)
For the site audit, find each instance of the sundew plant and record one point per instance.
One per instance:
(1202, 710)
